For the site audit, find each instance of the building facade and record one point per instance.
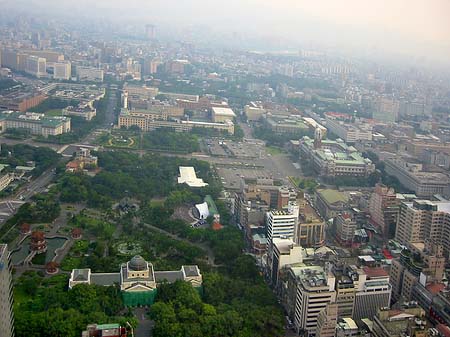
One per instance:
(6, 310)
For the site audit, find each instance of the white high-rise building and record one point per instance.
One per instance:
(62, 70)
(281, 224)
(6, 313)
(36, 66)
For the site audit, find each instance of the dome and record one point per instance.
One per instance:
(137, 263)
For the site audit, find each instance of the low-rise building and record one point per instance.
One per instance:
(414, 178)
(330, 203)
(35, 123)
(90, 74)
(399, 323)
(333, 159)
(137, 279)
(342, 125)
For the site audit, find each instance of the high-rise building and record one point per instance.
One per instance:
(281, 224)
(373, 291)
(420, 261)
(311, 290)
(386, 110)
(36, 66)
(62, 70)
(6, 312)
(345, 228)
(422, 220)
(150, 31)
(383, 208)
(282, 253)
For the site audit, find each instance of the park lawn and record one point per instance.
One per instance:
(274, 150)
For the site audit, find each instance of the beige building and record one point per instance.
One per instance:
(90, 74)
(414, 178)
(326, 321)
(422, 220)
(422, 261)
(6, 305)
(383, 209)
(398, 323)
(221, 115)
(62, 70)
(254, 111)
(36, 66)
(282, 253)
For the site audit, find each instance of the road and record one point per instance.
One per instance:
(204, 247)
(40, 183)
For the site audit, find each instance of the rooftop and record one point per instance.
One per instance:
(332, 196)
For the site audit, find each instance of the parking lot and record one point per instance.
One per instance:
(231, 177)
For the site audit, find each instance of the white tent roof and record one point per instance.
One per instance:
(188, 176)
(203, 210)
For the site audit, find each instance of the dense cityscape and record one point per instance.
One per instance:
(154, 183)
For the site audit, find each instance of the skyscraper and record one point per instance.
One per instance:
(6, 313)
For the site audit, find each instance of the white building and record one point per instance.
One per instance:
(349, 132)
(315, 290)
(89, 74)
(6, 312)
(281, 224)
(373, 291)
(36, 66)
(62, 70)
(189, 177)
(282, 253)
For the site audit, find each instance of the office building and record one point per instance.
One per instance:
(282, 253)
(420, 262)
(386, 110)
(413, 177)
(221, 115)
(20, 100)
(62, 70)
(344, 127)
(326, 321)
(308, 291)
(383, 208)
(281, 224)
(311, 231)
(6, 309)
(35, 123)
(422, 220)
(373, 291)
(254, 111)
(89, 74)
(333, 159)
(345, 228)
(36, 66)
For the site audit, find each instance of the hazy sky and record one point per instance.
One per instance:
(416, 27)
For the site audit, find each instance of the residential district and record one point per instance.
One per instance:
(154, 187)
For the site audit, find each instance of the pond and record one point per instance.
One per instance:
(52, 245)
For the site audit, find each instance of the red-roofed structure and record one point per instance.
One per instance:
(375, 272)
